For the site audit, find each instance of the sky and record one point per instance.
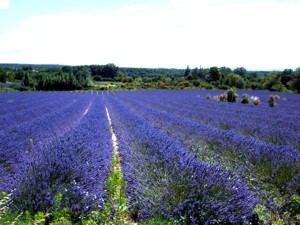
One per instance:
(255, 34)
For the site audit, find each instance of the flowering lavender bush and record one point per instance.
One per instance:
(271, 168)
(164, 179)
(183, 158)
(73, 163)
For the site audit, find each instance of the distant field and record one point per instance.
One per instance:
(185, 158)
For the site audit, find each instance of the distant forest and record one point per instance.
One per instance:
(29, 77)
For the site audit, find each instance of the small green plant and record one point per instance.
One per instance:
(59, 214)
(245, 99)
(40, 218)
(208, 97)
(294, 209)
(232, 95)
(272, 100)
(115, 209)
(4, 203)
(255, 100)
(223, 97)
(262, 213)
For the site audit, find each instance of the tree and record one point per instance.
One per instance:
(187, 71)
(6, 75)
(214, 73)
(240, 71)
(202, 73)
(194, 73)
(273, 82)
(109, 71)
(224, 71)
(286, 76)
(19, 74)
(89, 82)
(26, 80)
(294, 84)
(235, 80)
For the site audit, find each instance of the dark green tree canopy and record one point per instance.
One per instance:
(214, 73)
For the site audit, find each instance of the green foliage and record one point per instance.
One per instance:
(262, 213)
(55, 77)
(60, 215)
(115, 208)
(272, 100)
(294, 83)
(187, 71)
(232, 95)
(240, 71)
(184, 84)
(294, 209)
(26, 80)
(255, 100)
(214, 73)
(6, 75)
(245, 99)
(234, 80)
(223, 97)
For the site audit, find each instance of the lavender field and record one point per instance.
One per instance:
(184, 158)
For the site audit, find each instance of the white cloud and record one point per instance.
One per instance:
(254, 35)
(4, 4)
(134, 8)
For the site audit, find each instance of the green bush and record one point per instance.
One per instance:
(272, 100)
(223, 97)
(255, 100)
(294, 209)
(245, 99)
(232, 95)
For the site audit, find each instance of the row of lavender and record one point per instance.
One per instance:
(182, 156)
(165, 134)
(164, 179)
(54, 143)
(278, 126)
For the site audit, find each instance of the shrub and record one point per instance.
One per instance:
(255, 100)
(232, 95)
(272, 100)
(294, 208)
(245, 99)
(223, 97)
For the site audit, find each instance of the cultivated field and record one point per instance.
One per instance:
(181, 157)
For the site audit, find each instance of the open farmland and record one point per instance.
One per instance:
(182, 158)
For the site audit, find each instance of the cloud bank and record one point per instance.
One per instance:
(4, 4)
(256, 35)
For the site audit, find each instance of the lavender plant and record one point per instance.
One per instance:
(164, 179)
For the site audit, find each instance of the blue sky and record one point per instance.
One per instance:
(256, 34)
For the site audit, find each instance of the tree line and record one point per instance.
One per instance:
(240, 78)
(109, 76)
